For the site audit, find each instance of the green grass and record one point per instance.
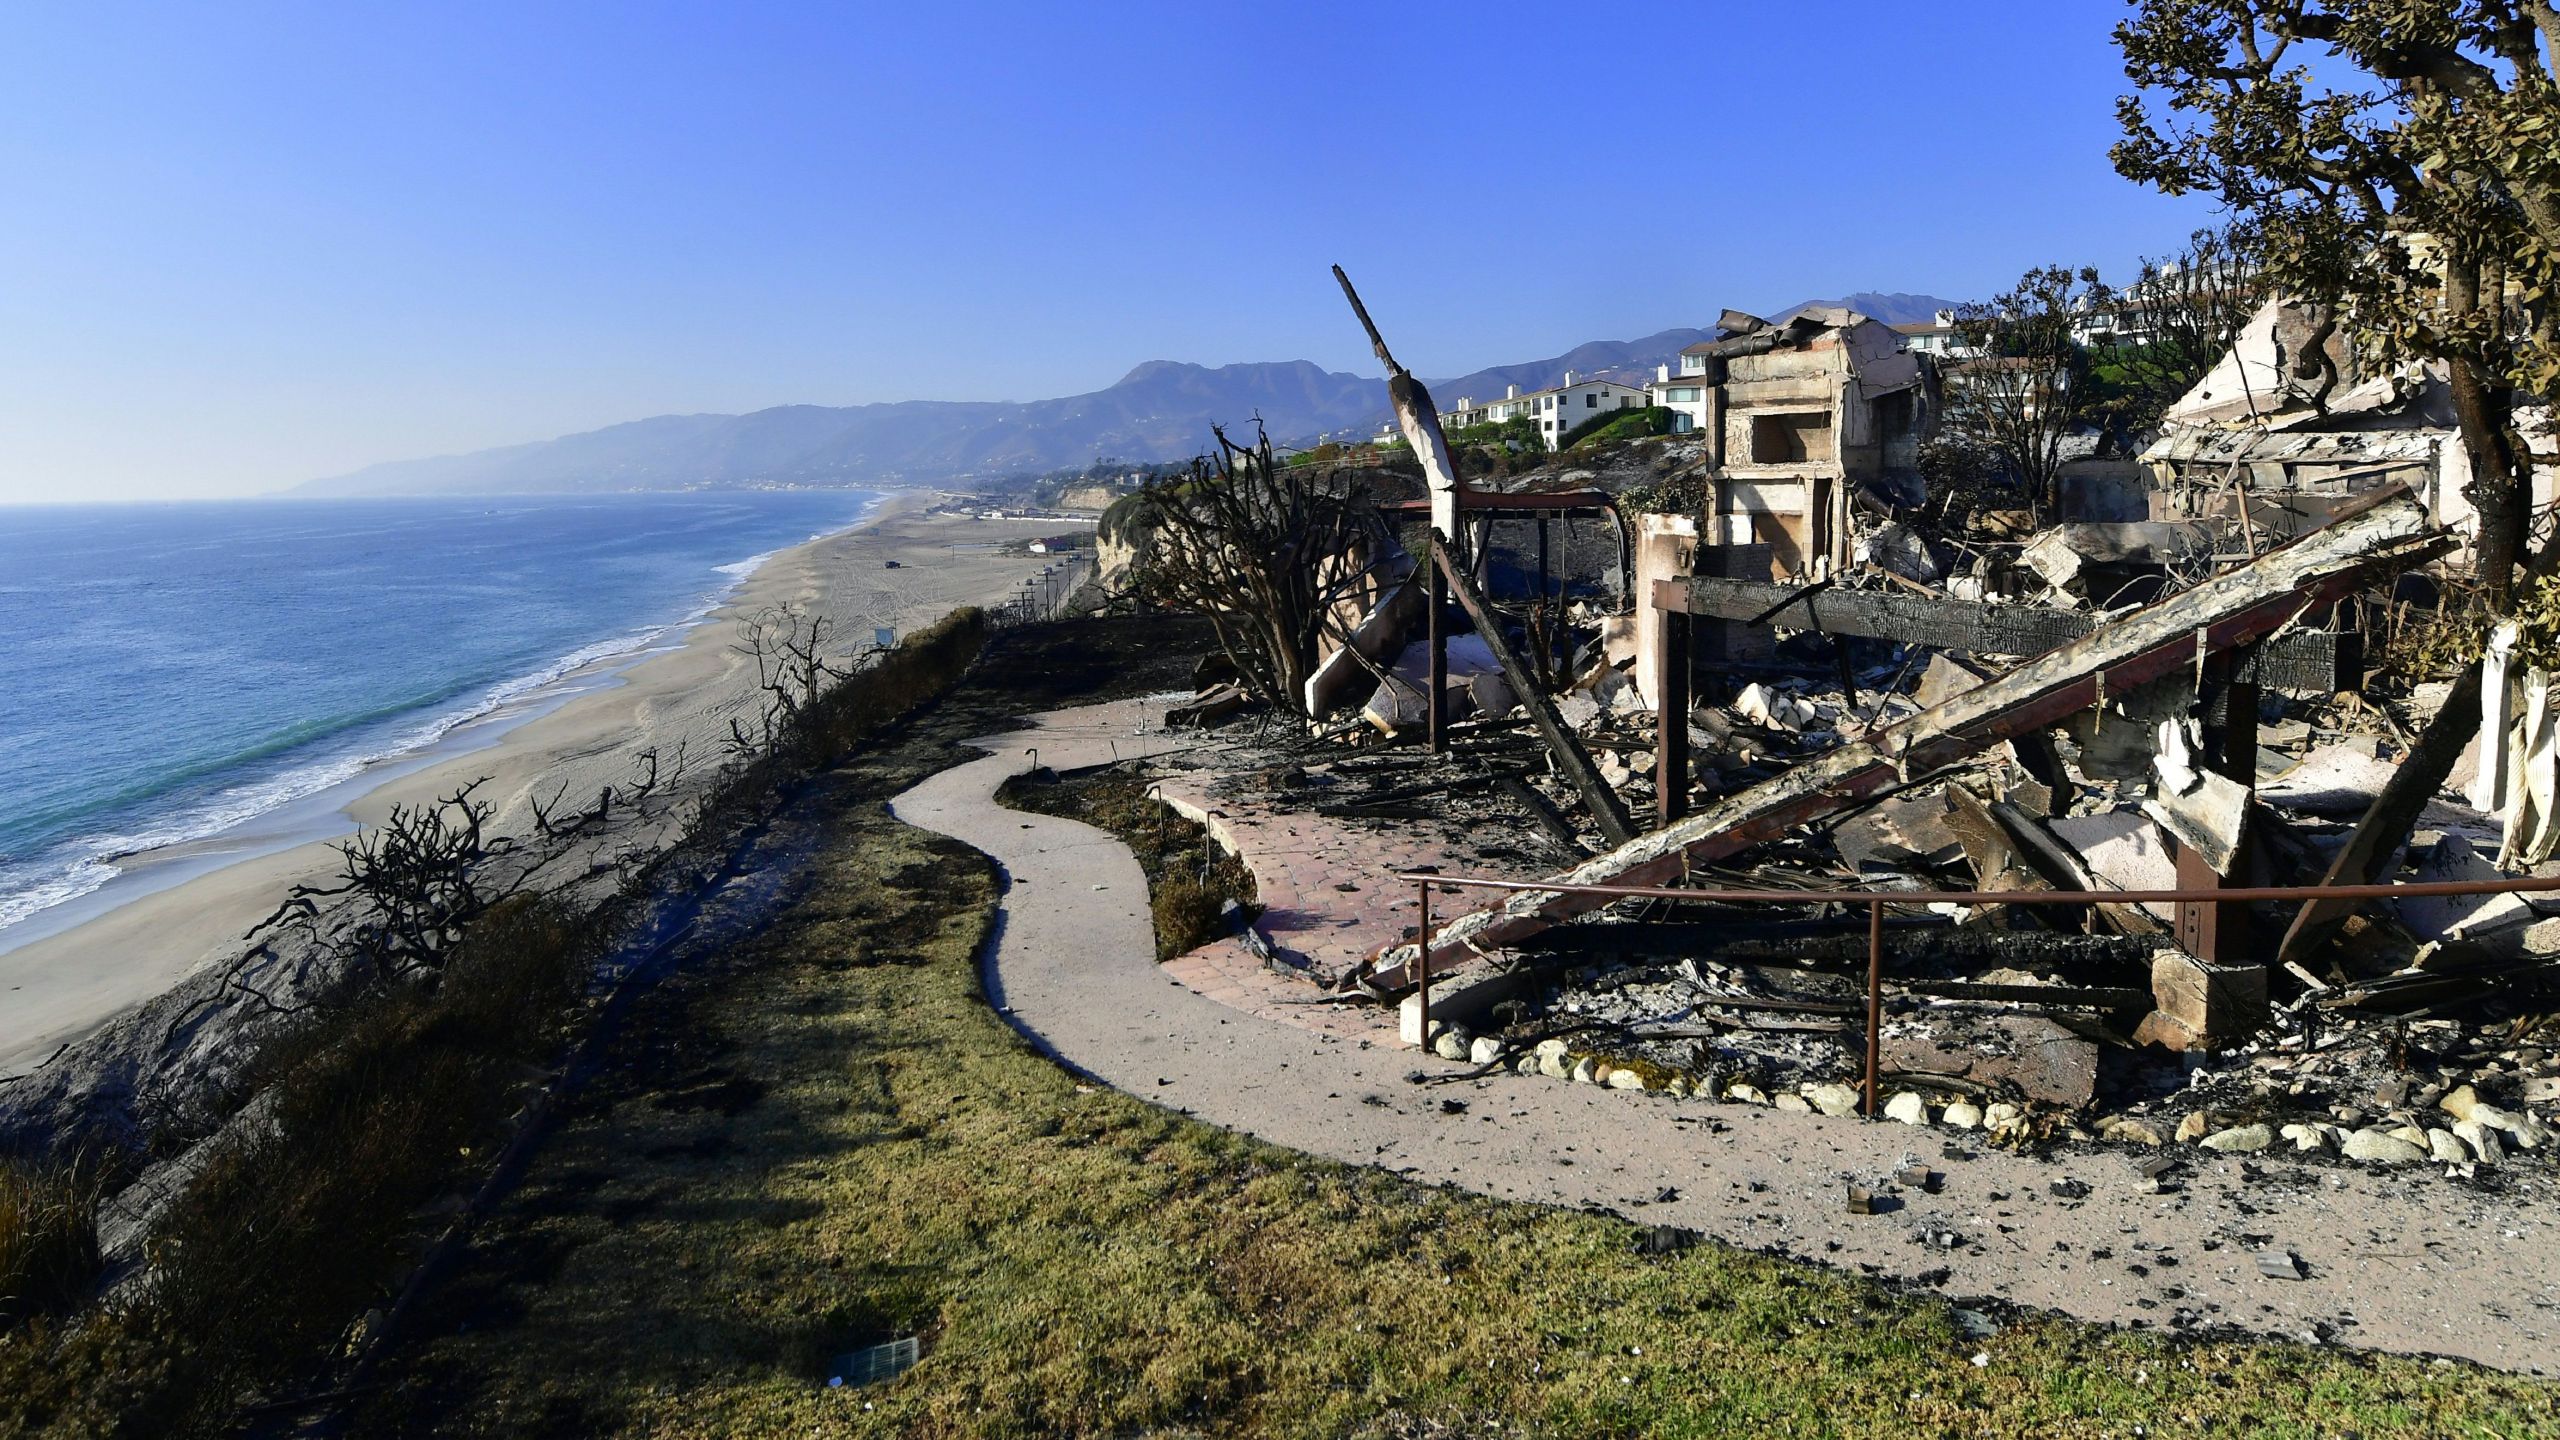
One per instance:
(1614, 426)
(310, 1214)
(830, 1139)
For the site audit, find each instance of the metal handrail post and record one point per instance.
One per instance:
(1422, 965)
(1875, 1004)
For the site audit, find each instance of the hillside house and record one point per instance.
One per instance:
(1557, 410)
(1937, 336)
(1798, 417)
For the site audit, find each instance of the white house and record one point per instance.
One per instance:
(1556, 410)
(1938, 337)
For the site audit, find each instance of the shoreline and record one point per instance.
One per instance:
(437, 733)
(171, 910)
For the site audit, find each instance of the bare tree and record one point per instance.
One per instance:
(2030, 388)
(1277, 558)
(412, 886)
(788, 647)
(2161, 334)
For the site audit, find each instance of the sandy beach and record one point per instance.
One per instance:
(62, 986)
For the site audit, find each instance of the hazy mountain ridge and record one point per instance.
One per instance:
(1160, 410)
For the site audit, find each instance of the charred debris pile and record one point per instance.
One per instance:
(1798, 678)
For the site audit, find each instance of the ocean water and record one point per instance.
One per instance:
(169, 672)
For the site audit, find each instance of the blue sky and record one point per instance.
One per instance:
(251, 244)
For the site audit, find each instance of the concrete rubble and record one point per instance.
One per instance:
(1794, 680)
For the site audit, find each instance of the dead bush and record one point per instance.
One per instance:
(1187, 912)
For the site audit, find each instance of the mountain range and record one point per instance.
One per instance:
(1162, 410)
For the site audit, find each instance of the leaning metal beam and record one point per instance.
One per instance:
(2312, 661)
(2231, 609)
(1570, 757)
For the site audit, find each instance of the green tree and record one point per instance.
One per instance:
(2170, 326)
(2400, 162)
(2030, 388)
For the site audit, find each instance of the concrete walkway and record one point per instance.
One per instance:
(2395, 1261)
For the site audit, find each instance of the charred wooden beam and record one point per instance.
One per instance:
(2068, 997)
(1543, 810)
(2313, 661)
(1607, 811)
(2374, 845)
(1419, 419)
(2250, 603)
(1802, 944)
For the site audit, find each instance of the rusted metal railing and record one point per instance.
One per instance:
(1877, 900)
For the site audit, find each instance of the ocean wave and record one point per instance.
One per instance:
(81, 865)
(90, 859)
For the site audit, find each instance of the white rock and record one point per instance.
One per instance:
(2239, 1139)
(1676, 1085)
(1485, 1051)
(2484, 1143)
(2443, 1148)
(1555, 1061)
(2125, 1130)
(1747, 1093)
(1833, 1099)
(1526, 1065)
(2526, 1130)
(1793, 1103)
(1962, 1115)
(1908, 1108)
(2463, 1103)
(1625, 1080)
(2306, 1137)
(2370, 1144)
(1452, 1043)
(2000, 1115)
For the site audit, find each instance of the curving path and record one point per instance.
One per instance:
(2403, 1262)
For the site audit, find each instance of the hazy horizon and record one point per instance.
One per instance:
(272, 244)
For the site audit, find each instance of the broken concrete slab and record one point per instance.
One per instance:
(2463, 917)
(2045, 1061)
(1945, 678)
(2334, 780)
(2204, 810)
(2125, 851)
(1899, 834)
(1464, 999)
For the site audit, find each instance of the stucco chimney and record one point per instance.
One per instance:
(1510, 392)
(1661, 374)
(1568, 377)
